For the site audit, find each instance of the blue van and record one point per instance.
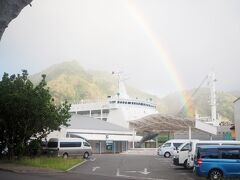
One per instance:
(216, 162)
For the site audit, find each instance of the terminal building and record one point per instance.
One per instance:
(104, 137)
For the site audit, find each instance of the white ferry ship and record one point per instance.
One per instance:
(119, 109)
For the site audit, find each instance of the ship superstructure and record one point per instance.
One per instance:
(119, 109)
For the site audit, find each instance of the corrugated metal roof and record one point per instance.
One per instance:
(84, 122)
(160, 123)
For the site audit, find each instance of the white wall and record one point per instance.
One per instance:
(118, 117)
(237, 118)
(57, 134)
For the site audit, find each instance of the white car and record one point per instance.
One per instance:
(69, 147)
(180, 156)
(167, 149)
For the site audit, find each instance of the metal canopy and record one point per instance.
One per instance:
(160, 123)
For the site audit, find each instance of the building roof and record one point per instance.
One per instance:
(160, 123)
(84, 122)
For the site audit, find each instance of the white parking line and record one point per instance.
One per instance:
(76, 166)
(135, 177)
(95, 168)
(145, 171)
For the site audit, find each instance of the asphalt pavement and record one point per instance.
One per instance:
(114, 167)
(134, 167)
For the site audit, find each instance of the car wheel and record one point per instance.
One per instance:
(167, 155)
(215, 175)
(185, 164)
(85, 155)
(65, 155)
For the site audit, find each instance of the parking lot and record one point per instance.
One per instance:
(134, 167)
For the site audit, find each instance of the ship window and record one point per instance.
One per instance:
(118, 102)
(129, 102)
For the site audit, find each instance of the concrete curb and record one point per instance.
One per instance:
(30, 171)
(23, 170)
(79, 164)
(8, 170)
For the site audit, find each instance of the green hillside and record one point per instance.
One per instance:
(70, 81)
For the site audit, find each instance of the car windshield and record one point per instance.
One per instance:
(180, 147)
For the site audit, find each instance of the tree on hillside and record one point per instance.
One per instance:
(10, 9)
(27, 111)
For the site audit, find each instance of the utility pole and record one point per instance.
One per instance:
(213, 103)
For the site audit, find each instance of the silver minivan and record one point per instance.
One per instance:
(167, 149)
(69, 147)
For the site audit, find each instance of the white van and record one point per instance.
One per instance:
(180, 155)
(69, 147)
(194, 144)
(168, 147)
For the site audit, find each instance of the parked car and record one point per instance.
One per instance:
(195, 144)
(167, 149)
(180, 155)
(69, 147)
(216, 162)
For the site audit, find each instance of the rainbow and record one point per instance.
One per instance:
(165, 59)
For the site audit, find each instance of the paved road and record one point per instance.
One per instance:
(135, 167)
(54, 176)
(115, 167)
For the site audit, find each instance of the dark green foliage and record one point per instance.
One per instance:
(34, 147)
(27, 111)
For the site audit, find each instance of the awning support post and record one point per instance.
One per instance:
(133, 138)
(189, 132)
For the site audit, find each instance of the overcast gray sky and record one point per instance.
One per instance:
(142, 38)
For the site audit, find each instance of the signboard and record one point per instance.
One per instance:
(109, 145)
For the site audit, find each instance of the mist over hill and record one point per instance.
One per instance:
(200, 103)
(69, 81)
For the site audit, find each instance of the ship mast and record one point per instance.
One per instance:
(121, 91)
